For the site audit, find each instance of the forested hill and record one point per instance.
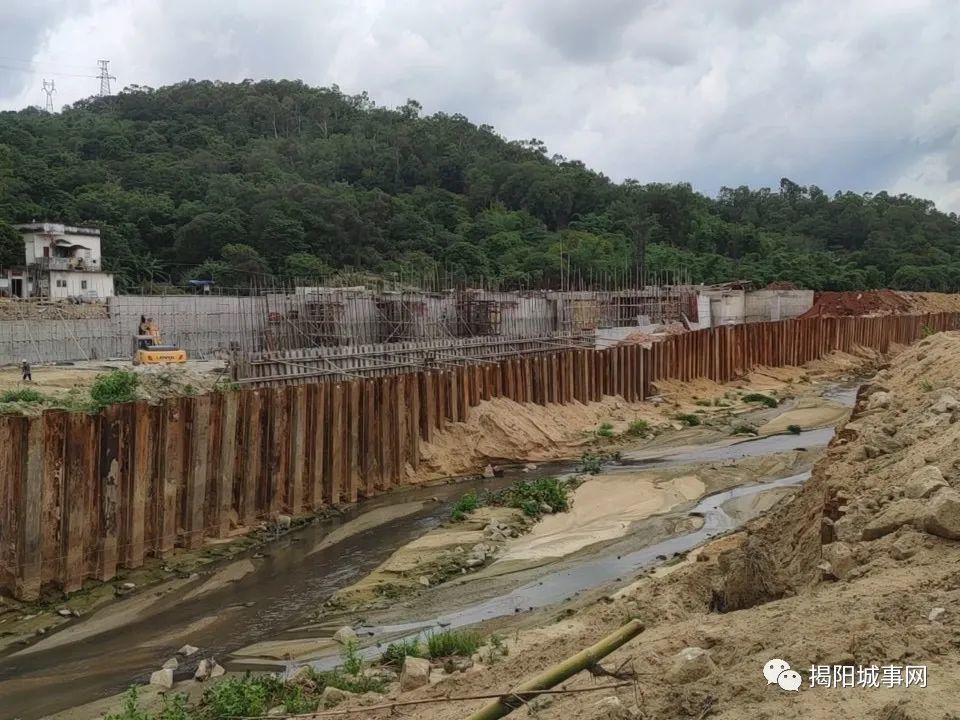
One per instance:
(240, 181)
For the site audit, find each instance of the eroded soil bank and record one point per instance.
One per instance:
(258, 597)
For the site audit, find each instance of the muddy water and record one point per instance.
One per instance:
(94, 657)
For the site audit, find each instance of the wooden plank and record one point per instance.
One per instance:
(114, 425)
(277, 475)
(296, 448)
(197, 476)
(352, 470)
(76, 520)
(318, 404)
(428, 416)
(28, 502)
(252, 457)
(227, 465)
(336, 443)
(172, 474)
(413, 418)
(369, 437)
(54, 448)
(400, 428)
(387, 432)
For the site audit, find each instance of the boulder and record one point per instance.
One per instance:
(893, 516)
(904, 547)
(943, 515)
(163, 678)
(188, 650)
(203, 670)
(277, 711)
(924, 482)
(841, 559)
(171, 664)
(936, 613)
(457, 665)
(879, 400)
(301, 677)
(333, 696)
(690, 664)
(945, 403)
(284, 522)
(424, 580)
(345, 635)
(546, 509)
(612, 708)
(415, 673)
(488, 471)
(217, 670)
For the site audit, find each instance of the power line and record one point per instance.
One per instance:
(105, 77)
(37, 71)
(49, 89)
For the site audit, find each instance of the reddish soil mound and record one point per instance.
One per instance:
(871, 302)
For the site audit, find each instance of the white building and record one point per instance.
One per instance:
(60, 261)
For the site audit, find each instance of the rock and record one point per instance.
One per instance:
(203, 670)
(936, 613)
(65, 612)
(383, 674)
(284, 522)
(277, 710)
(217, 670)
(370, 698)
(129, 586)
(424, 580)
(879, 400)
(188, 650)
(849, 527)
(474, 561)
(332, 695)
(841, 559)
(488, 471)
(546, 509)
(924, 482)
(415, 673)
(457, 665)
(163, 678)
(541, 702)
(302, 677)
(171, 664)
(345, 635)
(943, 515)
(904, 547)
(691, 664)
(893, 516)
(945, 404)
(611, 708)
(530, 466)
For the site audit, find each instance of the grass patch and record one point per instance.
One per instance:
(117, 386)
(760, 398)
(22, 395)
(605, 430)
(396, 652)
(704, 403)
(465, 505)
(525, 495)
(689, 419)
(638, 428)
(453, 642)
(927, 385)
(794, 429)
(744, 429)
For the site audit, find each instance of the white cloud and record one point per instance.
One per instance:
(856, 95)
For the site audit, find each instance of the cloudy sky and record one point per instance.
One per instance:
(844, 94)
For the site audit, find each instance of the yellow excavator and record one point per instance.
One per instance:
(148, 349)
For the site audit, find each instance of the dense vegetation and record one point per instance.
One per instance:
(243, 182)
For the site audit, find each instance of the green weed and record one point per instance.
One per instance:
(744, 429)
(465, 505)
(117, 386)
(794, 429)
(704, 403)
(352, 662)
(22, 395)
(453, 642)
(396, 652)
(760, 398)
(689, 419)
(605, 430)
(638, 428)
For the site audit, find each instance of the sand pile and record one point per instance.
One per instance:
(158, 382)
(881, 302)
(860, 567)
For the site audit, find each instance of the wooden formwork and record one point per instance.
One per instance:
(84, 494)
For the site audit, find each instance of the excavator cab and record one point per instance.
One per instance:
(148, 350)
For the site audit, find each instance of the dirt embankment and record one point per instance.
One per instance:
(881, 302)
(858, 568)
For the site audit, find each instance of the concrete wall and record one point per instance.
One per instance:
(66, 284)
(766, 305)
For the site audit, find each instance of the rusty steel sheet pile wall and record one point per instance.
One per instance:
(82, 495)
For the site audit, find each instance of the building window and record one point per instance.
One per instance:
(61, 283)
(83, 284)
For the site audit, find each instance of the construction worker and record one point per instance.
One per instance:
(27, 376)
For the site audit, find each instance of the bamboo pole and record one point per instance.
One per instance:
(507, 703)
